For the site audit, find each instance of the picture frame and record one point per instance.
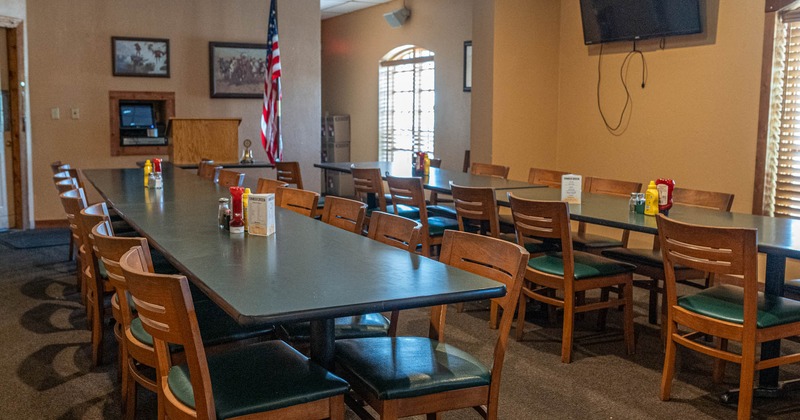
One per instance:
(236, 70)
(139, 57)
(467, 66)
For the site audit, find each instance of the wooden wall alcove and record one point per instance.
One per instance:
(167, 99)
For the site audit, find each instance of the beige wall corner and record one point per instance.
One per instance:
(352, 47)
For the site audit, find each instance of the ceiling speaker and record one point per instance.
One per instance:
(397, 18)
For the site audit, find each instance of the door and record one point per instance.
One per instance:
(6, 179)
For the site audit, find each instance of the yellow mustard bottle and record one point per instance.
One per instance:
(245, 198)
(148, 167)
(651, 199)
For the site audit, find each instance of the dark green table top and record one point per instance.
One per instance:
(776, 235)
(438, 180)
(306, 270)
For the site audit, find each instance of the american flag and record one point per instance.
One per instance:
(271, 112)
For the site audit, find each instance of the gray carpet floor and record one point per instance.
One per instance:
(45, 370)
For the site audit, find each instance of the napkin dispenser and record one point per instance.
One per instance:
(261, 214)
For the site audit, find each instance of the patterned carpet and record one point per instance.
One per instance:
(45, 372)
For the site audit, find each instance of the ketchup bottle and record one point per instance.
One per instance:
(237, 212)
(665, 187)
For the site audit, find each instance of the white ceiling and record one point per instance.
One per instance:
(331, 8)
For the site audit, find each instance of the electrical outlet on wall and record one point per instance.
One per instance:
(76, 113)
(55, 113)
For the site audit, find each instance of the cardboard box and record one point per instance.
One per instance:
(261, 214)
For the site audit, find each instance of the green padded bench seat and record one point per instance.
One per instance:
(405, 367)
(639, 256)
(724, 302)
(590, 241)
(368, 325)
(216, 327)
(437, 225)
(402, 211)
(442, 210)
(258, 378)
(586, 265)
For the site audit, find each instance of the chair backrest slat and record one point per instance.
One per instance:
(369, 181)
(228, 178)
(289, 172)
(476, 204)
(397, 231)
(269, 186)
(546, 177)
(490, 170)
(298, 201)
(344, 213)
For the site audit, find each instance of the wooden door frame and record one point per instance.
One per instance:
(15, 34)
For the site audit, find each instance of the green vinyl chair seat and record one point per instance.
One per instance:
(586, 265)
(724, 302)
(216, 327)
(259, 378)
(540, 247)
(437, 225)
(367, 325)
(402, 211)
(442, 210)
(406, 367)
(639, 256)
(592, 241)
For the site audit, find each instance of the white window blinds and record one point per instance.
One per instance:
(406, 105)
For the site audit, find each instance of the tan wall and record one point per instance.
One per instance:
(526, 74)
(353, 44)
(696, 119)
(482, 112)
(70, 53)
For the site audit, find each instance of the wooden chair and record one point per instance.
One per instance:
(269, 378)
(465, 165)
(95, 280)
(399, 232)
(73, 202)
(66, 185)
(368, 187)
(649, 262)
(56, 166)
(208, 170)
(218, 330)
(489, 170)
(269, 186)
(568, 272)
(547, 177)
(228, 178)
(289, 172)
(588, 242)
(728, 312)
(298, 201)
(344, 213)
(405, 376)
(409, 192)
(436, 162)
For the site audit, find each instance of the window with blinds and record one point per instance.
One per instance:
(406, 104)
(782, 192)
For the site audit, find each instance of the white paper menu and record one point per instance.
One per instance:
(261, 214)
(571, 186)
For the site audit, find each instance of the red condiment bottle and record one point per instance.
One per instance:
(665, 187)
(237, 213)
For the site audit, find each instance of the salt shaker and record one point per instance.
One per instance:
(223, 213)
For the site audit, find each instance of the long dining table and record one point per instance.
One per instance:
(438, 180)
(778, 238)
(306, 271)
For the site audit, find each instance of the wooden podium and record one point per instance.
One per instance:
(192, 139)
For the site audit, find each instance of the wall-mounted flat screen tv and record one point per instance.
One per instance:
(136, 115)
(619, 20)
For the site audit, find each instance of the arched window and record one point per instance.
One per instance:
(406, 103)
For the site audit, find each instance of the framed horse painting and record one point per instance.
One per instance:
(140, 57)
(237, 70)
